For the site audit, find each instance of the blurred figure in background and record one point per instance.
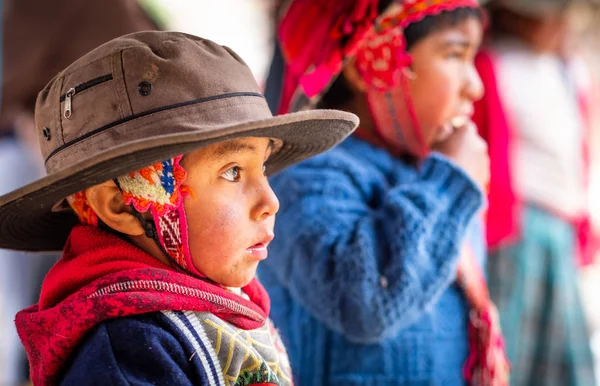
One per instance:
(40, 39)
(535, 116)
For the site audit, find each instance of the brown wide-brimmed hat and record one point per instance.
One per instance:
(38, 41)
(140, 99)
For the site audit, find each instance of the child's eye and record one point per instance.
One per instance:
(232, 174)
(455, 55)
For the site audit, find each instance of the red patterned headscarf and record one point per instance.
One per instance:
(318, 37)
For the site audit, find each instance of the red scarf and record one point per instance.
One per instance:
(101, 277)
(505, 204)
(316, 36)
(487, 364)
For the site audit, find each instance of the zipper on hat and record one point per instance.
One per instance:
(68, 96)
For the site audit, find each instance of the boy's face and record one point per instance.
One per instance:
(231, 219)
(446, 82)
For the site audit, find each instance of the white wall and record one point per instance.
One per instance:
(243, 25)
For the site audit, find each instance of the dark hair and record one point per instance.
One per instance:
(340, 92)
(506, 22)
(421, 29)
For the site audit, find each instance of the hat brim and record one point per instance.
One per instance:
(28, 223)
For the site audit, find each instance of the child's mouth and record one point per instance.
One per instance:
(259, 250)
(446, 131)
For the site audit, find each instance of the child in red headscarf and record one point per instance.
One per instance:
(379, 266)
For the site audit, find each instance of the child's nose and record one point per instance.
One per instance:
(474, 85)
(268, 203)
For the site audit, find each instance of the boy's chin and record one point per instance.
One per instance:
(237, 281)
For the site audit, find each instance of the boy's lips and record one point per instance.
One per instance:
(259, 250)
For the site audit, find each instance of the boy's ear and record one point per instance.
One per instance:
(107, 202)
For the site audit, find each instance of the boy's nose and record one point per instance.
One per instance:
(268, 204)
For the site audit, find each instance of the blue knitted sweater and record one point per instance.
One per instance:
(362, 273)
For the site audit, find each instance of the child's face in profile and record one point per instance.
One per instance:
(446, 82)
(231, 218)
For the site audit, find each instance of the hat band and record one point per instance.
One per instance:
(148, 112)
(199, 115)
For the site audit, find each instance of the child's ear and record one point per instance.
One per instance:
(107, 202)
(409, 73)
(355, 80)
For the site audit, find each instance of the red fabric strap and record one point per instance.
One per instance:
(487, 364)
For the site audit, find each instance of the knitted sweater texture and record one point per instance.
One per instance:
(362, 273)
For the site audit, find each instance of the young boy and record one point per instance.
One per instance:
(378, 280)
(156, 284)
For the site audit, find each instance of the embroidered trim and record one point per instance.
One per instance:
(157, 188)
(79, 203)
(193, 320)
(382, 53)
(257, 366)
(212, 372)
(180, 290)
(412, 11)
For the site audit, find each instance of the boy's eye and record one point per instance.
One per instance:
(232, 174)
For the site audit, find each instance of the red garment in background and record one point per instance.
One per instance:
(505, 204)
